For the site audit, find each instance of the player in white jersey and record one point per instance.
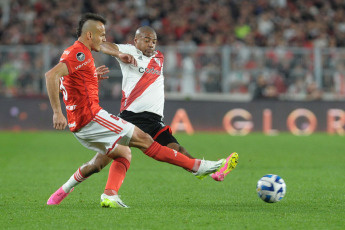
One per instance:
(143, 92)
(143, 82)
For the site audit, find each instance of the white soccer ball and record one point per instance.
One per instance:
(271, 188)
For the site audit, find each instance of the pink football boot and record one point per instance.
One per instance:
(230, 164)
(58, 196)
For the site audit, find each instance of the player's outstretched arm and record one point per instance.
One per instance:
(52, 82)
(110, 49)
(113, 50)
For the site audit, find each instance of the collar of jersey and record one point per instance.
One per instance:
(82, 44)
(154, 53)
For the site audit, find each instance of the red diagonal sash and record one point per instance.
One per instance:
(152, 72)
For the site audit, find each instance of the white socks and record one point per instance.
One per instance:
(73, 181)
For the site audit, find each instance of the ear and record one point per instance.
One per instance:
(135, 41)
(88, 35)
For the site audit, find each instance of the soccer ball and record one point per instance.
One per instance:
(271, 188)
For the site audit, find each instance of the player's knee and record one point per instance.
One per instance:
(127, 153)
(121, 151)
(146, 141)
(141, 140)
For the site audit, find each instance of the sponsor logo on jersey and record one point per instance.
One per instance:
(151, 70)
(80, 56)
(71, 125)
(83, 64)
(71, 107)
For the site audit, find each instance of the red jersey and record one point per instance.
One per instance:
(80, 86)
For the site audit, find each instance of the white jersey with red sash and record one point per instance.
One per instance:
(142, 85)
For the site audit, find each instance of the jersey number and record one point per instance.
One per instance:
(63, 89)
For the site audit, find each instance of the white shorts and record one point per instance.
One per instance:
(105, 132)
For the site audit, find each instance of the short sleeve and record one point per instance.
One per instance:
(74, 60)
(127, 48)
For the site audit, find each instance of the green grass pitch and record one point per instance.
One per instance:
(161, 196)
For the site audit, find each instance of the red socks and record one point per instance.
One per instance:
(117, 173)
(165, 154)
(119, 167)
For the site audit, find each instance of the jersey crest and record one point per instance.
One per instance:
(80, 56)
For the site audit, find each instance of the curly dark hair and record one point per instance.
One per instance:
(86, 17)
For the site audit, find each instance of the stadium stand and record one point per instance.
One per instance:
(273, 49)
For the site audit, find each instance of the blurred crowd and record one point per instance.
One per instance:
(200, 28)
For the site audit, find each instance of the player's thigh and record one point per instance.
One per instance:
(140, 139)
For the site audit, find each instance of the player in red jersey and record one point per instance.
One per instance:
(76, 76)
